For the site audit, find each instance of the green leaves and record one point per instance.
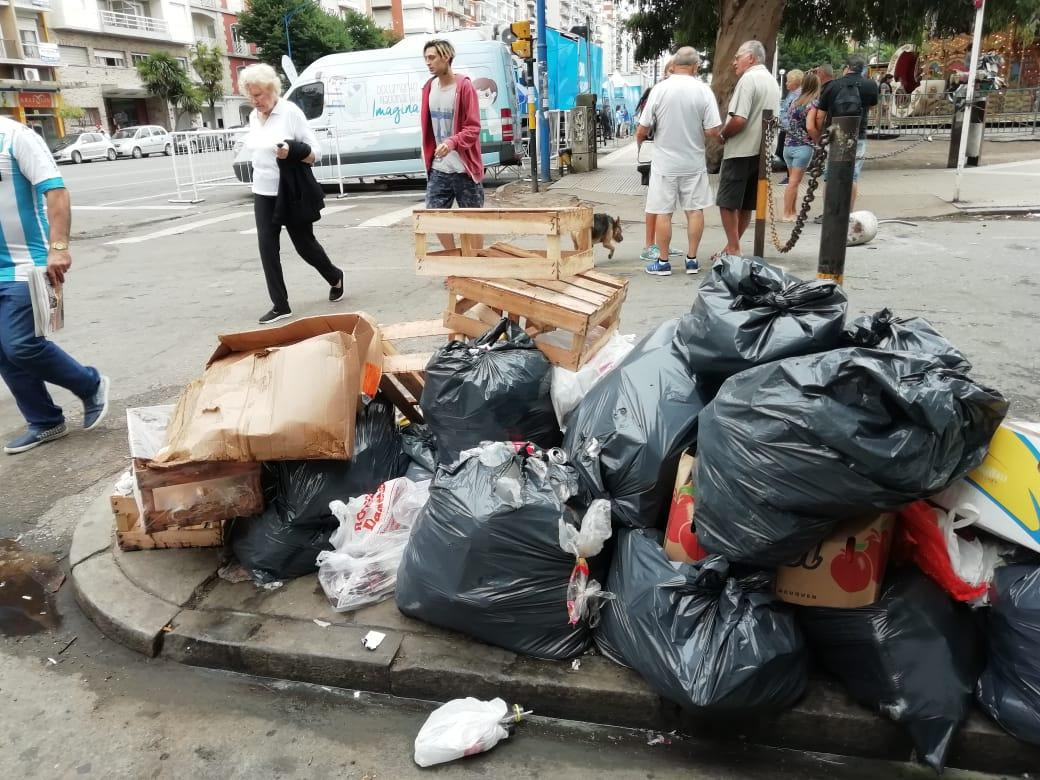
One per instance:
(209, 65)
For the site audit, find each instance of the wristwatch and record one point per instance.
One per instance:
(60, 246)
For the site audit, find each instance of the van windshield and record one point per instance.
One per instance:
(310, 98)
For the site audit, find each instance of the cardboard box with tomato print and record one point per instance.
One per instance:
(844, 570)
(680, 539)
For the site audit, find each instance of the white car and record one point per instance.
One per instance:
(78, 147)
(142, 141)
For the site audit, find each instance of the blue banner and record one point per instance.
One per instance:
(574, 66)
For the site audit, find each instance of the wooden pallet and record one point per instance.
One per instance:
(131, 535)
(586, 307)
(404, 374)
(502, 260)
(197, 493)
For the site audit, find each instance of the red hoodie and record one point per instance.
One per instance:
(466, 136)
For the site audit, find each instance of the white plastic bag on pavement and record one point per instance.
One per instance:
(460, 728)
(583, 593)
(973, 560)
(368, 545)
(569, 387)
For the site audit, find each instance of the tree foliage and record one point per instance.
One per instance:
(164, 77)
(313, 31)
(209, 65)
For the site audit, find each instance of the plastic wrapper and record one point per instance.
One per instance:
(421, 450)
(569, 387)
(367, 547)
(284, 541)
(584, 542)
(886, 332)
(626, 436)
(1009, 687)
(789, 449)
(493, 389)
(146, 429)
(460, 728)
(485, 557)
(709, 641)
(912, 656)
(961, 566)
(748, 312)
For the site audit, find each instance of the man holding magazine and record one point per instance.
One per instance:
(34, 239)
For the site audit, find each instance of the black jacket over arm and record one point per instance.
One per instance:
(300, 198)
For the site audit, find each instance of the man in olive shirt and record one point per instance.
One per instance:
(741, 136)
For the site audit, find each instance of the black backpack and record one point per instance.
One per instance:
(847, 100)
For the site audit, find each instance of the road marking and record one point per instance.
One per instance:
(131, 208)
(139, 197)
(386, 220)
(325, 213)
(178, 229)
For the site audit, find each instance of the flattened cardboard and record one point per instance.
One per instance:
(839, 572)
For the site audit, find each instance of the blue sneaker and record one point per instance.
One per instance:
(659, 268)
(96, 407)
(651, 254)
(34, 437)
(692, 266)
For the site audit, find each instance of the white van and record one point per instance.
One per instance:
(369, 102)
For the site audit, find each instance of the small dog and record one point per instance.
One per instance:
(606, 230)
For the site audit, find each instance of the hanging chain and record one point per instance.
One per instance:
(914, 145)
(813, 171)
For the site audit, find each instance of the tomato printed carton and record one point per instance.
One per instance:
(844, 570)
(680, 539)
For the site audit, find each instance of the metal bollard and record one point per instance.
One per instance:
(841, 161)
(763, 185)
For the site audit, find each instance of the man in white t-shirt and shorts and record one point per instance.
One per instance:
(682, 111)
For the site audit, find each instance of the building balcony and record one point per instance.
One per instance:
(210, 43)
(212, 5)
(133, 25)
(243, 49)
(19, 51)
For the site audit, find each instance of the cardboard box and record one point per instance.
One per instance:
(288, 393)
(1005, 488)
(130, 533)
(680, 538)
(844, 570)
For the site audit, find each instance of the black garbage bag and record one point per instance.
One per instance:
(491, 389)
(886, 332)
(627, 434)
(1009, 688)
(709, 641)
(748, 312)
(485, 559)
(789, 449)
(284, 540)
(913, 656)
(420, 448)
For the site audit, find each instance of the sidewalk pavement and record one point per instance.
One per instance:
(910, 186)
(171, 603)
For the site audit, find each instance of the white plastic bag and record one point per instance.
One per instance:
(569, 387)
(462, 727)
(583, 593)
(973, 560)
(372, 534)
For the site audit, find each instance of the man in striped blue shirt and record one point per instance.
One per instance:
(35, 234)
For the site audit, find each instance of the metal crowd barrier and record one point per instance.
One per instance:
(1011, 113)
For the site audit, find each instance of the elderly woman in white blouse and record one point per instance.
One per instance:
(273, 124)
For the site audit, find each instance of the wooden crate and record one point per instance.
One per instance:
(131, 535)
(404, 374)
(501, 260)
(197, 493)
(586, 307)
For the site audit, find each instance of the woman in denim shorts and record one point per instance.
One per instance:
(798, 148)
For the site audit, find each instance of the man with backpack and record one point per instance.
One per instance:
(849, 95)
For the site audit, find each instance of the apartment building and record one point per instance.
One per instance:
(29, 90)
(427, 17)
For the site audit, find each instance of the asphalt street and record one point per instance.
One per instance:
(153, 283)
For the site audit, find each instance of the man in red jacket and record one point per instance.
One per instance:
(450, 117)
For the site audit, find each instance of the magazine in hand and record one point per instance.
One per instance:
(47, 302)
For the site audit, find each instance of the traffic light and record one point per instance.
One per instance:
(520, 32)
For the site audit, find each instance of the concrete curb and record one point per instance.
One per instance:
(447, 666)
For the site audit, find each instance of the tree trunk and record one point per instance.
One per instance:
(740, 21)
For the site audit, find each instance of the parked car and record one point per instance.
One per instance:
(142, 141)
(77, 147)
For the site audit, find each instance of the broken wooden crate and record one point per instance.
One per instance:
(196, 493)
(404, 373)
(503, 260)
(570, 319)
(131, 534)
